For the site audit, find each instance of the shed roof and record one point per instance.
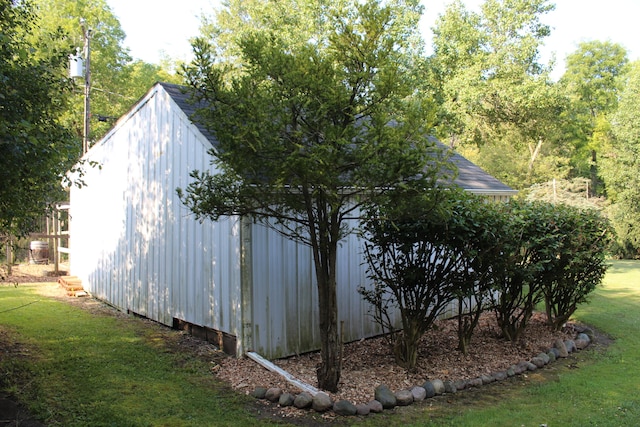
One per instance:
(470, 177)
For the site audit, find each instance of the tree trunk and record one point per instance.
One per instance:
(406, 351)
(325, 256)
(328, 372)
(533, 152)
(593, 170)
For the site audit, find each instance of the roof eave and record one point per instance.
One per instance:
(485, 192)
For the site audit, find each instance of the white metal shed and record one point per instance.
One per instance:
(134, 245)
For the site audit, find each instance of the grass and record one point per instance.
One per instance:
(74, 368)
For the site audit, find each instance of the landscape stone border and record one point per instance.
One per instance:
(384, 398)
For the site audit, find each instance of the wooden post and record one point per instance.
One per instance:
(9, 254)
(56, 240)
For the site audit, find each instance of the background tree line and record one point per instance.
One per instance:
(498, 106)
(494, 100)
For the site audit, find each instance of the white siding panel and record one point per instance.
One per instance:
(285, 298)
(134, 244)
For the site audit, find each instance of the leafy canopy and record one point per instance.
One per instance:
(621, 167)
(335, 115)
(117, 81)
(35, 149)
(495, 93)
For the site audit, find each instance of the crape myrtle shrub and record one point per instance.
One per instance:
(427, 251)
(423, 253)
(579, 264)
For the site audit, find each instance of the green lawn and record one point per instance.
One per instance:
(79, 369)
(74, 368)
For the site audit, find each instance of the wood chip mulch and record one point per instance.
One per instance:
(369, 363)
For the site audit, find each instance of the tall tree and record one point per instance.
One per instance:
(592, 84)
(495, 92)
(313, 118)
(35, 149)
(621, 165)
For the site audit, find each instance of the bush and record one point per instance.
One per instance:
(413, 265)
(524, 241)
(473, 227)
(426, 251)
(550, 252)
(579, 264)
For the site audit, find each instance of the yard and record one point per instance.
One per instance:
(85, 364)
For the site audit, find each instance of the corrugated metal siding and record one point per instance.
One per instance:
(134, 244)
(285, 297)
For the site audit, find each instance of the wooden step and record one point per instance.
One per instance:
(73, 286)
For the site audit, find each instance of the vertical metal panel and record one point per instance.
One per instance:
(285, 297)
(134, 244)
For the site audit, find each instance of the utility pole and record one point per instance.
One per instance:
(87, 84)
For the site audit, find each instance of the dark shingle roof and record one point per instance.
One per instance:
(470, 176)
(182, 97)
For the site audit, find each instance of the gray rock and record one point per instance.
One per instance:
(552, 355)
(375, 406)
(487, 379)
(500, 376)
(321, 402)
(345, 408)
(404, 397)
(555, 351)
(544, 357)
(461, 384)
(429, 389)
(450, 387)
(581, 344)
(438, 386)
(303, 400)
(583, 336)
(539, 362)
(475, 382)
(259, 392)
(385, 396)
(511, 371)
(562, 348)
(286, 399)
(362, 409)
(589, 332)
(273, 394)
(531, 366)
(419, 393)
(571, 346)
(521, 367)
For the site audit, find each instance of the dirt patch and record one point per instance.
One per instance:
(32, 273)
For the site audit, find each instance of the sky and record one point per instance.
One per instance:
(163, 27)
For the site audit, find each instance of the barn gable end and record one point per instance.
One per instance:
(134, 244)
